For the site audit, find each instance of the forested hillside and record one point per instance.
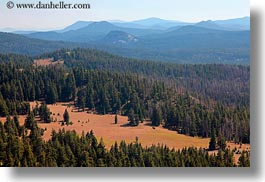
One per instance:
(19, 44)
(227, 84)
(194, 100)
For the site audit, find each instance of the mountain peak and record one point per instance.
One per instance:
(154, 18)
(102, 23)
(75, 26)
(209, 24)
(98, 26)
(150, 21)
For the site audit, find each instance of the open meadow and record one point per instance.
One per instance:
(103, 127)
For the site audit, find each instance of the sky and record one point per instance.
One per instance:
(126, 10)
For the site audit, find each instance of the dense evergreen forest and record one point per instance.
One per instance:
(227, 84)
(67, 149)
(195, 100)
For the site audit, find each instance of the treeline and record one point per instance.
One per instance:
(136, 96)
(227, 84)
(23, 146)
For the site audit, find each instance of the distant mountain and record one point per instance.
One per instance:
(23, 32)
(87, 31)
(157, 23)
(119, 37)
(7, 30)
(51, 35)
(19, 44)
(210, 25)
(203, 42)
(150, 21)
(187, 44)
(130, 25)
(96, 30)
(235, 24)
(238, 24)
(191, 29)
(75, 26)
(173, 47)
(93, 32)
(196, 37)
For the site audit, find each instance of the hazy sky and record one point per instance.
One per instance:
(182, 10)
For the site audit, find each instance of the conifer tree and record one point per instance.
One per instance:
(52, 95)
(156, 117)
(131, 117)
(116, 119)
(244, 159)
(30, 121)
(44, 113)
(221, 142)
(66, 117)
(212, 144)
(3, 107)
(81, 100)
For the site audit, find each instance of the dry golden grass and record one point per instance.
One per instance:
(46, 62)
(104, 127)
(240, 148)
(21, 119)
(232, 146)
